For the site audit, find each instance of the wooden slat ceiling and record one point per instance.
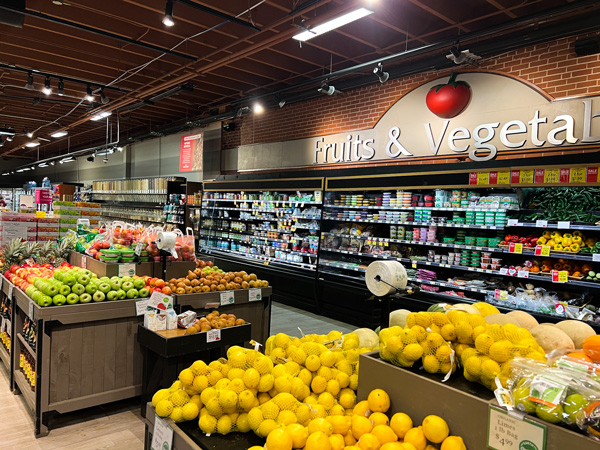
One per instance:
(225, 61)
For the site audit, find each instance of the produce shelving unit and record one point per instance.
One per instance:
(6, 355)
(86, 355)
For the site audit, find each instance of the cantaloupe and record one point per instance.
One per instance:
(398, 317)
(525, 319)
(501, 319)
(577, 330)
(552, 338)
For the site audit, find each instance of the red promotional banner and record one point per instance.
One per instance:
(190, 152)
(515, 176)
(592, 175)
(538, 176)
(473, 178)
(564, 175)
(493, 179)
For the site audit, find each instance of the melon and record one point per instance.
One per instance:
(577, 330)
(367, 337)
(438, 307)
(501, 319)
(525, 319)
(398, 317)
(466, 308)
(552, 338)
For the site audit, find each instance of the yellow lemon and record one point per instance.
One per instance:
(349, 439)
(340, 424)
(337, 442)
(161, 394)
(397, 446)
(224, 425)
(400, 423)
(208, 423)
(266, 427)
(279, 439)
(318, 441)
(368, 441)
(378, 400)
(379, 418)
(360, 425)
(362, 409)
(347, 399)
(384, 434)
(435, 429)
(242, 424)
(164, 408)
(320, 424)
(453, 443)
(190, 411)
(416, 437)
(298, 433)
(286, 417)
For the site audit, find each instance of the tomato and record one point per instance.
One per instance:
(448, 100)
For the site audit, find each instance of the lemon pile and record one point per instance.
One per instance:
(367, 427)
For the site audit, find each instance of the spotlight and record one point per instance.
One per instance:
(32, 144)
(88, 94)
(59, 134)
(90, 158)
(43, 164)
(258, 108)
(9, 138)
(119, 149)
(103, 98)
(383, 76)
(47, 89)
(463, 57)
(30, 134)
(61, 87)
(168, 19)
(29, 84)
(105, 160)
(327, 89)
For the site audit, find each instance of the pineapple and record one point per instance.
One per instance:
(13, 253)
(46, 253)
(62, 250)
(31, 250)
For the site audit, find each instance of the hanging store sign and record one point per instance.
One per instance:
(190, 152)
(502, 114)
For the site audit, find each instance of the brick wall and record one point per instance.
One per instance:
(552, 67)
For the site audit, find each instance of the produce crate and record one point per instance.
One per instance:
(86, 355)
(256, 312)
(463, 404)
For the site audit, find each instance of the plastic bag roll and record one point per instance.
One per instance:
(165, 240)
(391, 272)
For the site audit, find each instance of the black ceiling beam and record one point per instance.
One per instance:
(220, 14)
(99, 32)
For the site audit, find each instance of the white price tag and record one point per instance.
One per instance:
(162, 436)
(138, 248)
(595, 258)
(523, 274)
(213, 335)
(506, 432)
(84, 262)
(30, 307)
(226, 298)
(512, 222)
(254, 295)
(126, 270)
(563, 225)
(141, 306)
(11, 288)
(541, 223)
(504, 271)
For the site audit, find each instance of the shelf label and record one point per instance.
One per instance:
(560, 276)
(538, 176)
(515, 248)
(541, 223)
(512, 222)
(11, 288)
(592, 175)
(595, 258)
(504, 177)
(162, 436)
(526, 176)
(503, 271)
(515, 176)
(578, 175)
(254, 295)
(414, 264)
(226, 298)
(213, 335)
(564, 175)
(141, 306)
(523, 274)
(126, 270)
(500, 295)
(551, 176)
(563, 225)
(542, 250)
(482, 178)
(473, 178)
(506, 432)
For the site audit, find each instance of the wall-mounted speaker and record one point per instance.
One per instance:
(587, 46)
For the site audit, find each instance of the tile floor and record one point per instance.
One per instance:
(118, 426)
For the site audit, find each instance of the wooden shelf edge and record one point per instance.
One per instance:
(25, 389)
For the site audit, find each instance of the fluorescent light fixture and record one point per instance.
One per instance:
(42, 165)
(101, 115)
(168, 19)
(258, 108)
(88, 94)
(333, 24)
(61, 88)
(47, 89)
(32, 144)
(5, 173)
(67, 159)
(29, 84)
(59, 134)
(107, 151)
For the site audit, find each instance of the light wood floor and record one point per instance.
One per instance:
(118, 426)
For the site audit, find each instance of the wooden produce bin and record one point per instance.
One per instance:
(175, 269)
(86, 355)
(8, 326)
(463, 404)
(256, 312)
(188, 436)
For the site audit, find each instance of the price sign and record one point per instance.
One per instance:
(504, 177)
(512, 222)
(226, 298)
(515, 248)
(506, 432)
(526, 176)
(254, 295)
(591, 175)
(541, 223)
(515, 176)
(542, 250)
(213, 335)
(551, 176)
(473, 178)
(563, 225)
(564, 175)
(141, 306)
(483, 178)
(538, 176)
(503, 271)
(560, 276)
(162, 436)
(414, 264)
(595, 258)
(523, 274)
(500, 295)
(578, 175)
(126, 270)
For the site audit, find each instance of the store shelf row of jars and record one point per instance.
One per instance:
(468, 243)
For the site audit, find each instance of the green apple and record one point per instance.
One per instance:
(133, 293)
(127, 285)
(91, 288)
(59, 300)
(144, 293)
(104, 279)
(36, 296)
(115, 283)
(104, 287)
(72, 299)
(85, 298)
(121, 294)
(126, 279)
(30, 290)
(45, 300)
(112, 295)
(68, 279)
(98, 296)
(78, 289)
(50, 290)
(139, 283)
(58, 275)
(64, 290)
(83, 279)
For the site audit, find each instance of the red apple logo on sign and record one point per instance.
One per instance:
(450, 99)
